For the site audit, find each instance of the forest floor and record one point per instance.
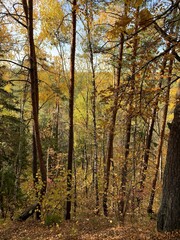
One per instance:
(86, 229)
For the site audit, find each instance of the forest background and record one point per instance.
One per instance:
(87, 94)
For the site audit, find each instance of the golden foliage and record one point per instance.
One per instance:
(52, 20)
(145, 17)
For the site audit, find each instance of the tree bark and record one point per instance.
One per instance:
(122, 207)
(28, 212)
(150, 132)
(152, 195)
(91, 58)
(71, 113)
(112, 127)
(169, 212)
(28, 10)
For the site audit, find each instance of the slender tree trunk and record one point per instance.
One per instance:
(151, 200)
(71, 113)
(150, 131)
(122, 206)
(35, 173)
(112, 128)
(1, 192)
(86, 143)
(91, 56)
(86, 167)
(75, 189)
(19, 158)
(57, 124)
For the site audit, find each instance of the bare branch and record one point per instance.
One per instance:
(10, 61)
(13, 15)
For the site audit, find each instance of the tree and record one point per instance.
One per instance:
(162, 132)
(71, 113)
(89, 19)
(28, 11)
(13, 157)
(169, 212)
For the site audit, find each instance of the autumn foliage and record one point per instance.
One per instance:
(87, 96)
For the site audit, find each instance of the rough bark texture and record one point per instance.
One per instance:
(169, 212)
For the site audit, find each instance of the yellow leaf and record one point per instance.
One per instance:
(123, 21)
(7, 88)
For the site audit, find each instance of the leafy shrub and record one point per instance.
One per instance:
(52, 219)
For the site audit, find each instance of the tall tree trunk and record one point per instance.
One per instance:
(169, 212)
(85, 151)
(75, 189)
(91, 57)
(71, 113)
(28, 10)
(35, 171)
(153, 190)
(122, 206)
(19, 158)
(57, 125)
(150, 131)
(112, 127)
(170, 69)
(1, 191)
(35, 95)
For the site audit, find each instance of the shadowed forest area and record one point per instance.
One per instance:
(89, 119)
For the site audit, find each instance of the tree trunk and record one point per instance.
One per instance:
(35, 93)
(35, 171)
(122, 204)
(28, 212)
(71, 113)
(28, 10)
(112, 128)
(91, 57)
(19, 158)
(169, 212)
(150, 131)
(1, 192)
(151, 201)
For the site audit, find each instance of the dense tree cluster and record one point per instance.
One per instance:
(87, 92)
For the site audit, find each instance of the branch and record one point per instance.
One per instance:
(164, 34)
(176, 55)
(10, 61)
(170, 9)
(13, 16)
(156, 57)
(25, 8)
